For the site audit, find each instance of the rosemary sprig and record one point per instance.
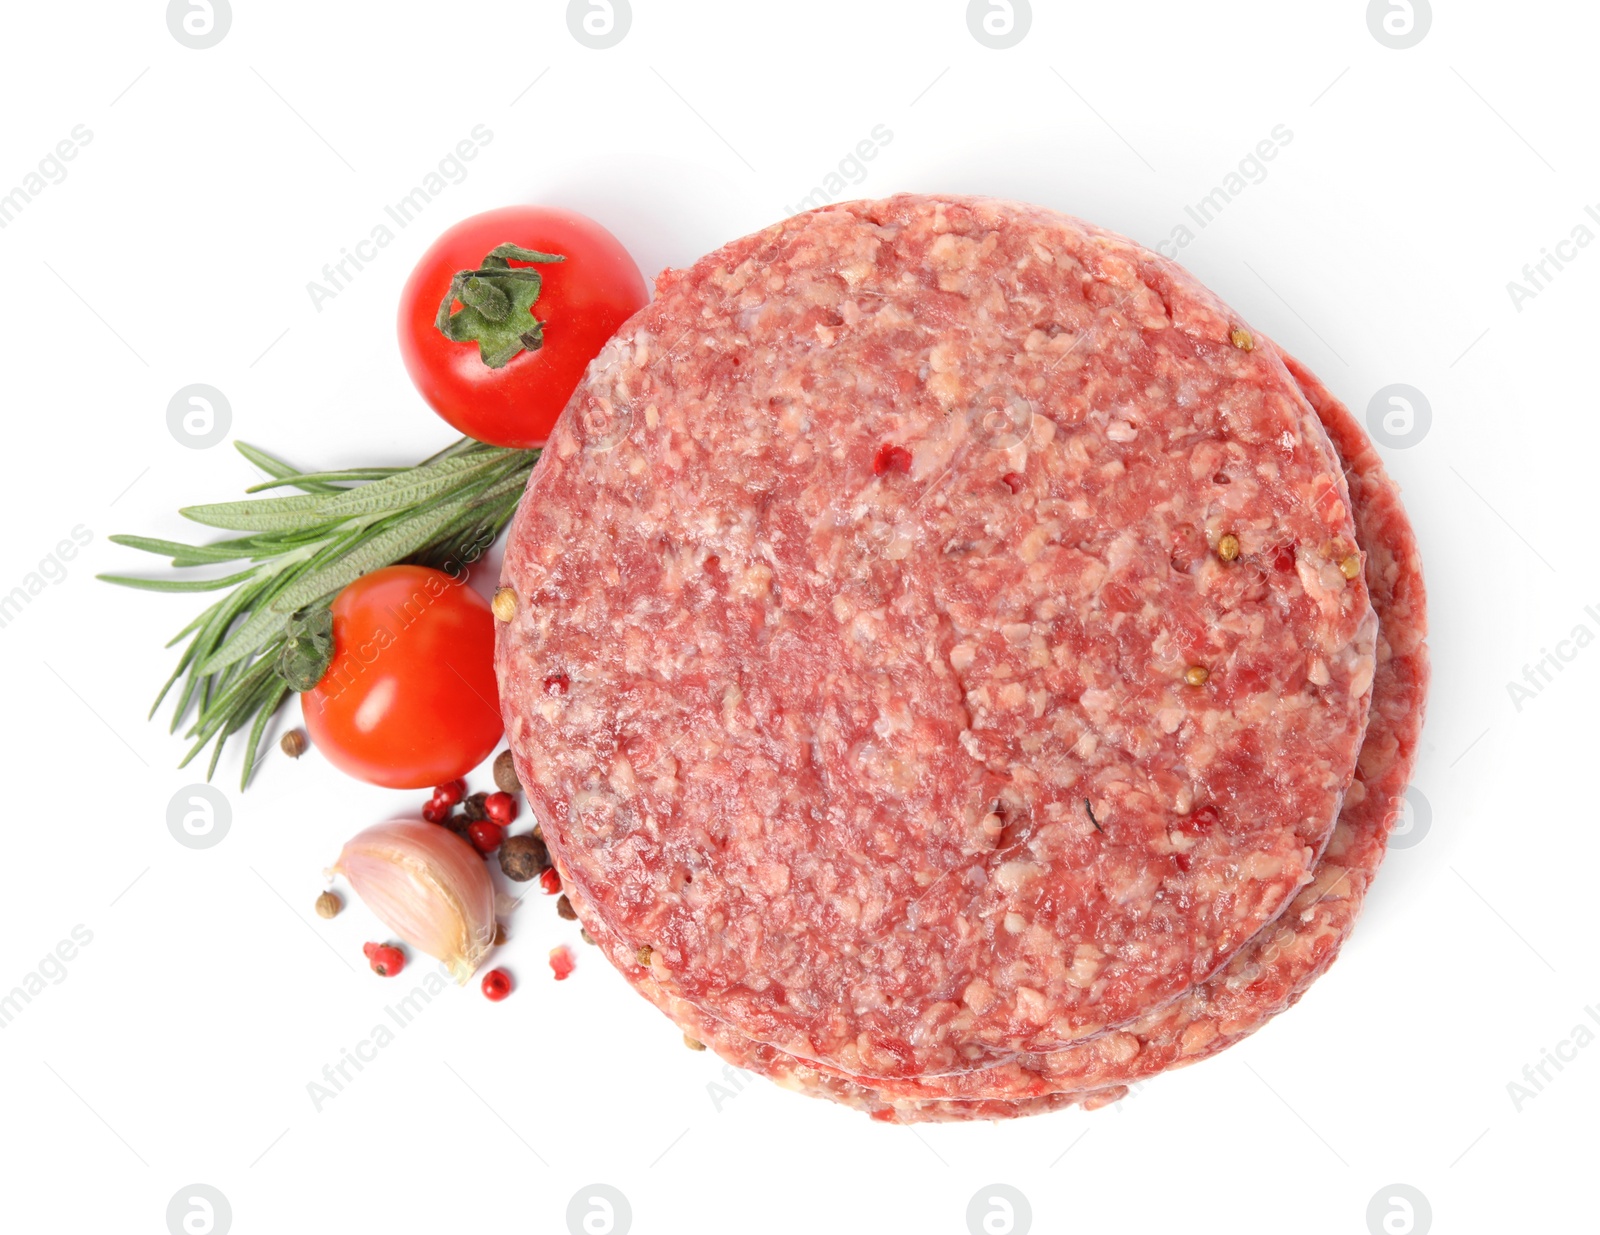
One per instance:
(270, 634)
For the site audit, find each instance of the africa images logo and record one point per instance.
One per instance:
(50, 570)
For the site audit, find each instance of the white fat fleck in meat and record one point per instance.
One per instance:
(978, 995)
(899, 546)
(622, 780)
(1012, 877)
(1263, 866)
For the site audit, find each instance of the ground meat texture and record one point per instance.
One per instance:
(1277, 967)
(876, 555)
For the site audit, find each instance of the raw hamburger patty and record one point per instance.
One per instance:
(874, 665)
(1275, 969)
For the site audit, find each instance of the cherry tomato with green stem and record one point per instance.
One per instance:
(409, 698)
(505, 311)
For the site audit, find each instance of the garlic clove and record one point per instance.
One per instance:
(428, 886)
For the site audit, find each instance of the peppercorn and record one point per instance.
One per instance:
(1196, 675)
(496, 985)
(499, 934)
(891, 458)
(1351, 566)
(386, 959)
(565, 910)
(505, 772)
(504, 604)
(643, 955)
(485, 835)
(473, 809)
(328, 905)
(1228, 547)
(293, 744)
(693, 1044)
(1240, 338)
(501, 807)
(524, 857)
(587, 937)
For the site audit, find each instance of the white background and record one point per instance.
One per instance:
(177, 249)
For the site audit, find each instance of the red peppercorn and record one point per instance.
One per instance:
(561, 962)
(1013, 481)
(1283, 560)
(436, 811)
(386, 959)
(1183, 860)
(496, 985)
(486, 835)
(501, 807)
(891, 458)
(550, 881)
(451, 792)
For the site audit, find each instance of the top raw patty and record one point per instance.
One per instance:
(874, 664)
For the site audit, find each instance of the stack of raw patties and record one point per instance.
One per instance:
(959, 669)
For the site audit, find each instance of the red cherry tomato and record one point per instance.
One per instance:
(409, 698)
(581, 302)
